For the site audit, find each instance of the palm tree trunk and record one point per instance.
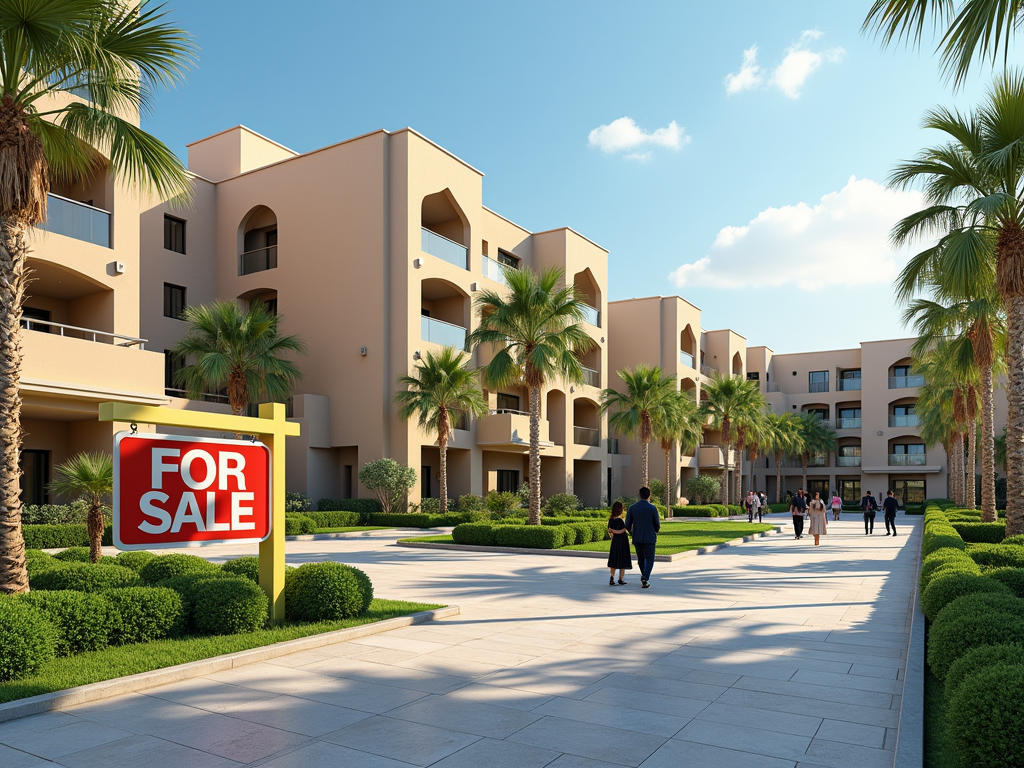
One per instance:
(988, 436)
(14, 274)
(778, 478)
(442, 447)
(972, 438)
(1015, 414)
(95, 528)
(668, 479)
(803, 467)
(958, 470)
(645, 448)
(535, 455)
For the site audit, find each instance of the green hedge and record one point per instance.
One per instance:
(74, 555)
(532, 536)
(1017, 540)
(229, 606)
(984, 716)
(82, 620)
(475, 534)
(165, 566)
(973, 620)
(996, 555)
(701, 510)
(248, 567)
(942, 559)
(359, 506)
(133, 559)
(297, 524)
(27, 639)
(334, 519)
(946, 587)
(1011, 577)
(418, 520)
(326, 591)
(37, 560)
(142, 614)
(61, 536)
(979, 659)
(84, 577)
(982, 533)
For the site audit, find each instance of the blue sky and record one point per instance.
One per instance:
(636, 124)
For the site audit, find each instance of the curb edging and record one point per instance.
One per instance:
(82, 694)
(909, 751)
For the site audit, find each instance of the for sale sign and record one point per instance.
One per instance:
(170, 490)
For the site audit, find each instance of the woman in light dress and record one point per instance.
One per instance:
(816, 509)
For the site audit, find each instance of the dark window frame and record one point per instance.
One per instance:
(173, 234)
(507, 480)
(170, 292)
(173, 363)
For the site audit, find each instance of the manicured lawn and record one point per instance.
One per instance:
(680, 537)
(106, 664)
(442, 539)
(351, 528)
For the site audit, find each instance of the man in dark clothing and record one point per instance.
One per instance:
(889, 507)
(797, 507)
(643, 523)
(869, 506)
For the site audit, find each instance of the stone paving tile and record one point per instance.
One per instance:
(800, 706)
(651, 702)
(586, 740)
(675, 754)
(303, 716)
(401, 740)
(208, 694)
(512, 698)
(366, 697)
(468, 717)
(812, 691)
(729, 735)
(52, 743)
(135, 712)
(498, 754)
(144, 752)
(231, 738)
(839, 755)
(15, 757)
(852, 733)
(618, 715)
(764, 719)
(323, 754)
(848, 682)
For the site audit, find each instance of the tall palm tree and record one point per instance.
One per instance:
(749, 434)
(649, 398)
(442, 390)
(816, 439)
(778, 434)
(969, 28)
(89, 476)
(74, 74)
(974, 194)
(239, 350)
(936, 415)
(537, 331)
(729, 399)
(674, 426)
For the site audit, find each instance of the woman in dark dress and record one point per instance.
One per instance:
(619, 555)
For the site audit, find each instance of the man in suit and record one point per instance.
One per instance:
(869, 506)
(643, 522)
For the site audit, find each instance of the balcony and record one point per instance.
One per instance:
(905, 382)
(907, 459)
(258, 260)
(494, 270)
(686, 359)
(205, 397)
(439, 332)
(817, 386)
(87, 334)
(847, 461)
(711, 456)
(77, 220)
(848, 423)
(817, 461)
(848, 385)
(443, 248)
(906, 420)
(591, 315)
(591, 377)
(707, 370)
(586, 436)
(509, 430)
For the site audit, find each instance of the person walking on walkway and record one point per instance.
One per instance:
(837, 505)
(753, 507)
(819, 524)
(618, 553)
(797, 507)
(643, 524)
(889, 507)
(869, 506)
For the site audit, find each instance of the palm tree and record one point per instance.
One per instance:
(537, 332)
(749, 435)
(729, 399)
(816, 439)
(776, 438)
(89, 476)
(974, 193)
(239, 350)
(673, 426)
(937, 416)
(74, 74)
(649, 398)
(969, 28)
(442, 391)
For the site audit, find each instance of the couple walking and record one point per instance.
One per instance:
(800, 507)
(869, 507)
(642, 523)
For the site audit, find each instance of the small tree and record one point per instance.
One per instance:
(390, 481)
(89, 476)
(658, 489)
(703, 488)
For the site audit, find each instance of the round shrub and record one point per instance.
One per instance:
(134, 559)
(27, 639)
(580, 533)
(299, 525)
(469, 502)
(983, 717)
(939, 537)
(979, 659)
(249, 567)
(940, 558)
(1017, 540)
(229, 606)
(1011, 577)
(37, 560)
(976, 624)
(74, 555)
(186, 586)
(326, 591)
(476, 534)
(141, 614)
(82, 619)
(996, 555)
(946, 588)
(165, 566)
(84, 577)
(978, 532)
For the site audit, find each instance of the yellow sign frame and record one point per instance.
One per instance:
(273, 427)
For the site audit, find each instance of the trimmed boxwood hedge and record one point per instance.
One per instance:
(532, 536)
(701, 510)
(984, 715)
(142, 614)
(53, 536)
(326, 592)
(980, 658)
(299, 525)
(418, 520)
(981, 533)
(947, 587)
(249, 567)
(996, 555)
(74, 555)
(1017, 540)
(973, 620)
(359, 506)
(165, 566)
(476, 534)
(334, 519)
(27, 639)
(187, 586)
(37, 560)
(84, 577)
(133, 559)
(941, 559)
(1011, 577)
(82, 619)
(229, 606)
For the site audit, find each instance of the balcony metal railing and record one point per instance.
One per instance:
(818, 386)
(686, 359)
(817, 461)
(591, 315)
(495, 270)
(613, 445)
(439, 332)
(512, 411)
(906, 420)
(848, 422)
(904, 382)
(586, 436)
(707, 370)
(907, 459)
(78, 220)
(847, 385)
(87, 334)
(259, 260)
(591, 377)
(847, 461)
(443, 248)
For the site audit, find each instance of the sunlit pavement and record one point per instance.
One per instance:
(772, 654)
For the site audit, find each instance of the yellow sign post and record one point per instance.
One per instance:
(273, 428)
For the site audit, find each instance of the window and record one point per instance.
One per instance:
(172, 364)
(35, 474)
(901, 371)
(508, 480)
(903, 410)
(174, 301)
(908, 491)
(849, 450)
(849, 491)
(851, 374)
(753, 376)
(508, 260)
(425, 473)
(818, 381)
(819, 486)
(28, 314)
(908, 448)
(821, 413)
(508, 402)
(174, 234)
(849, 413)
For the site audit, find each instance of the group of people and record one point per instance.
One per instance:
(815, 511)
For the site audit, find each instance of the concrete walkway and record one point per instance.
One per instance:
(774, 654)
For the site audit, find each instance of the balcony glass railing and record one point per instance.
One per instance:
(259, 260)
(906, 420)
(818, 386)
(494, 270)
(686, 359)
(707, 370)
(848, 423)
(586, 436)
(817, 461)
(847, 461)
(847, 385)
(591, 315)
(907, 459)
(439, 332)
(443, 248)
(903, 382)
(77, 220)
(86, 334)
(591, 377)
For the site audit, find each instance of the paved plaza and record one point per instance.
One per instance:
(773, 654)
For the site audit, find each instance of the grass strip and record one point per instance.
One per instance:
(106, 664)
(938, 749)
(445, 538)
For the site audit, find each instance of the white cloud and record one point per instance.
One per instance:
(841, 241)
(749, 75)
(624, 134)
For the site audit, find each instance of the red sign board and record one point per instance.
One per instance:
(170, 490)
